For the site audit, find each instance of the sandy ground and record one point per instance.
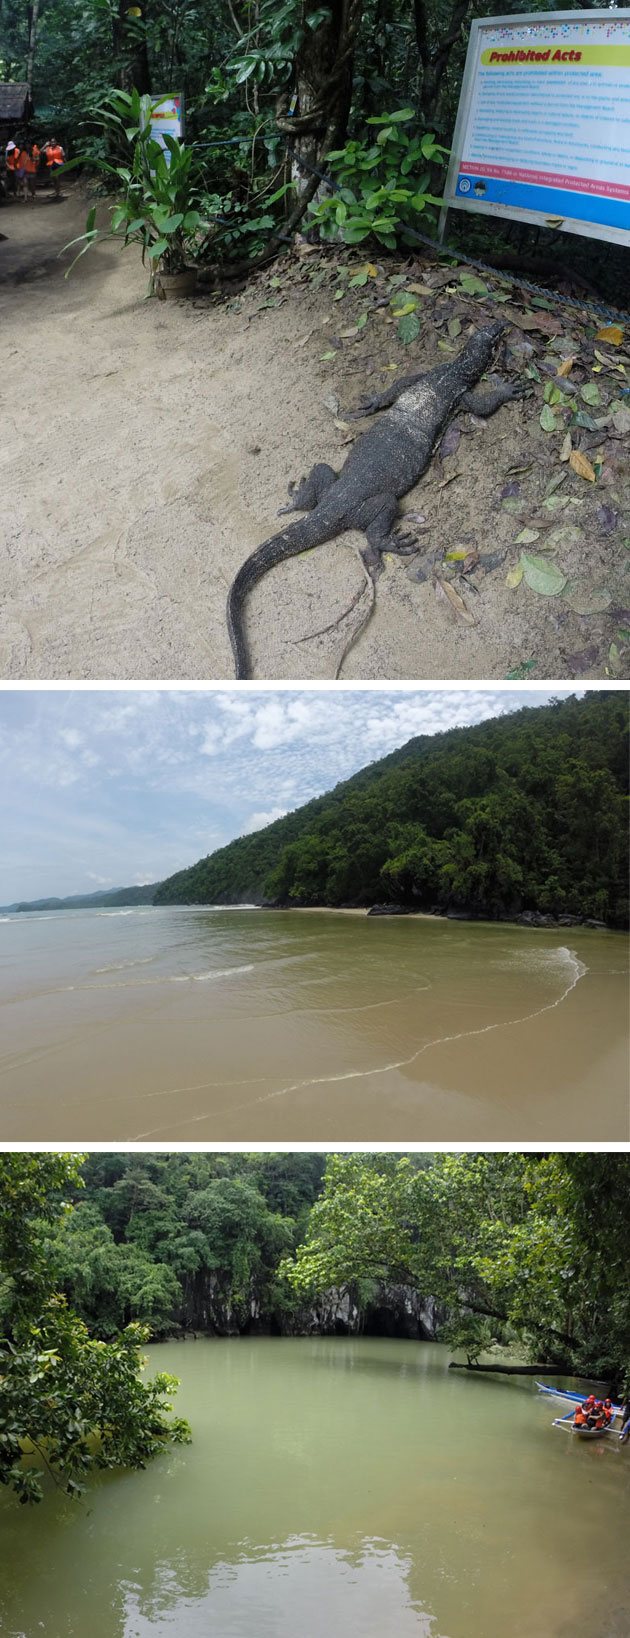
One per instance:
(147, 447)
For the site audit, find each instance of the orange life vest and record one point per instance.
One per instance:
(12, 159)
(31, 162)
(55, 156)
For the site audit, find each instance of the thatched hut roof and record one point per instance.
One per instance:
(15, 103)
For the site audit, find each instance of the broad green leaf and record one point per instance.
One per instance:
(542, 576)
(586, 599)
(408, 328)
(473, 285)
(590, 393)
(409, 306)
(547, 419)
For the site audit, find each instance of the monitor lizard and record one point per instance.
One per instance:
(385, 462)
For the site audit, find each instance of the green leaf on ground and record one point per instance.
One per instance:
(542, 576)
(586, 599)
(473, 285)
(547, 419)
(408, 328)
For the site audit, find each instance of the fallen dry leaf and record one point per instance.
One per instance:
(612, 333)
(546, 322)
(566, 366)
(581, 464)
(457, 603)
(566, 448)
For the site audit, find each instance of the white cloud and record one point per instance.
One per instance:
(138, 785)
(257, 821)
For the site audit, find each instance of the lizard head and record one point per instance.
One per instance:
(480, 351)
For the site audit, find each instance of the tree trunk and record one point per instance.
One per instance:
(526, 1370)
(33, 14)
(315, 115)
(435, 59)
(130, 50)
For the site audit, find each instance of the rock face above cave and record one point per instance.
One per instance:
(389, 1311)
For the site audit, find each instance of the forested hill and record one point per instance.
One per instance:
(91, 901)
(523, 812)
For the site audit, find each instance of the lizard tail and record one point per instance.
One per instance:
(299, 537)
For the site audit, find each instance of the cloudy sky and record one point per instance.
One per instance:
(104, 788)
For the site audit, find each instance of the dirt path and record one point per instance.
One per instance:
(146, 448)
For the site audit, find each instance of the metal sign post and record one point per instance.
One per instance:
(543, 127)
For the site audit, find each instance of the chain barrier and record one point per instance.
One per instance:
(599, 309)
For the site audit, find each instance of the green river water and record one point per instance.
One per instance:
(339, 1487)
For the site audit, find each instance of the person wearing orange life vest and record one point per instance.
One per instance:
(20, 170)
(608, 1412)
(31, 158)
(55, 158)
(580, 1420)
(11, 159)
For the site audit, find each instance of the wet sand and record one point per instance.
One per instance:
(198, 1025)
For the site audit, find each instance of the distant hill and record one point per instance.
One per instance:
(522, 812)
(88, 901)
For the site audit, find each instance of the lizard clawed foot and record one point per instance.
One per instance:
(521, 389)
(403, 545)
(291, 488)
(366, 407)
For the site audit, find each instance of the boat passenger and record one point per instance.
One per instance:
(580, 1419)
(608, 1412)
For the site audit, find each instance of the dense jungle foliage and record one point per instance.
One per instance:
(529, 1252)
(186, 1242)
(272, 90)
(531, 1249)
(71, 1400)
(524, 812)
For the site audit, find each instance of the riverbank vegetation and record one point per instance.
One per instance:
(528, 1253)
(523, 813)
(69, 1400)
(530, 1250)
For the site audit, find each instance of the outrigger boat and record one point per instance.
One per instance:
(567, 1421)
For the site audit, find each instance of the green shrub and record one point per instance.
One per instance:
(382, 186)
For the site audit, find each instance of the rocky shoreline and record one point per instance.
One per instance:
(526, 918)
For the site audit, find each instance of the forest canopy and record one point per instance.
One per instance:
(526, 812)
